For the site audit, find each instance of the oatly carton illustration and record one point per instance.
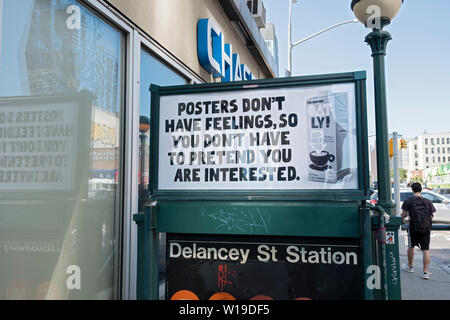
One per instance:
(327, 130)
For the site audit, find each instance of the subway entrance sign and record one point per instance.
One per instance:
(267, 179)
(251, 267)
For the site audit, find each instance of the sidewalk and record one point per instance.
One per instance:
(416, 288)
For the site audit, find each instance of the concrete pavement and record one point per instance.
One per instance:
(416, 288)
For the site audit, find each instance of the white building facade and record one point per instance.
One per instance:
(426, 151)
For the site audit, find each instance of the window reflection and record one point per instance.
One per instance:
(60, 111)
(153, 71)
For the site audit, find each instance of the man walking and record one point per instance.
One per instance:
(420, 212)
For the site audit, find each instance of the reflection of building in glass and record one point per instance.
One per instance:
(104, 154)
(62, 60)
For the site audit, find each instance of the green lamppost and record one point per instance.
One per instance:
(376, 14)
(144, 127)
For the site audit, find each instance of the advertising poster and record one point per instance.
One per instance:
(243, 268)
(290, 138)
(38, 145)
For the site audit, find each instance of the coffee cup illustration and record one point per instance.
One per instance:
(321, 158)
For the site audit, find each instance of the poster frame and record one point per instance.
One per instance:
(357, 78)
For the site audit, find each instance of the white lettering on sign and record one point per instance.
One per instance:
(324, 256)
(211, 253)
(264, 253)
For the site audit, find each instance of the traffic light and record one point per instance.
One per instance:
(403, 144)
(391, 147)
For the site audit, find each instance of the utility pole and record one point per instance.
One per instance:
(396, 174)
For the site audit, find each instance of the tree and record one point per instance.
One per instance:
(403, 174)
(417, 179)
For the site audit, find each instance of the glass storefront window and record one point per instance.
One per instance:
(152, 71)
(61, 102)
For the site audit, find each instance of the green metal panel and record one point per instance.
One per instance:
(147, 258)
(143, 257)
(330, 219)
(366, 244)
(393, 266)
(363, 143)
(261, 83)
(392, 258)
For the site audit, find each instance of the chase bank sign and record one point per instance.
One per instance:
(216, 56)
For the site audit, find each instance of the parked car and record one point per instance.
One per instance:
(440, 202)
(444, 191)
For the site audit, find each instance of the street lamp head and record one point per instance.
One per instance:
(375, 14)
(144, 124)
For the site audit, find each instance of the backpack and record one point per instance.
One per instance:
(420, 219)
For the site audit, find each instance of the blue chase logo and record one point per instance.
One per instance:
(216, 56)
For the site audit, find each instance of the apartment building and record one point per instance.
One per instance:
(428, 150)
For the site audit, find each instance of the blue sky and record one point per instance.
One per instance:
(417, 61)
